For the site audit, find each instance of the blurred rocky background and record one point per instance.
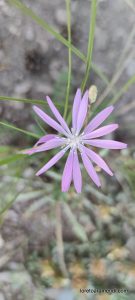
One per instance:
(98, 227)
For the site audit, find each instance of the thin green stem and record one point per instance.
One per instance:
(123, 90)
(24, 100)
(30, 101)
(115, 79)
(68, 8)
(27, 11)
(90, 42)
(11, 158)
(32, 134)
(118, 95)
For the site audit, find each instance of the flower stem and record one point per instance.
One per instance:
(68, 8)
(90, 42)
(59, 239)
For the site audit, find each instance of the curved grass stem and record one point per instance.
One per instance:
(90, 42)
(28, 101)
(10, 126)
(27, 11)
(68, 8)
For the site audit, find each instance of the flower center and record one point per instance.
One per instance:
(74, 141)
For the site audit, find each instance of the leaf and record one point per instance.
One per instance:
(30, 101)
(10, 159)
(32, 134)
(7, 206)
(4, 149)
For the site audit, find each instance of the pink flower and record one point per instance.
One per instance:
(76, 141)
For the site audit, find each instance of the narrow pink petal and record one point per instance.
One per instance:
(82, 112)
(68, 172)
(107, 144)
(51, 144)
(49, 120)
(98, 160)
(57, 114)
(77, 177)
(90, 169)
(45, 138)
(101, 131)
(76, 105)
(51, 162)
(100, 118)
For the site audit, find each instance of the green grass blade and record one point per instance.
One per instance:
(8, 205)
(116, 98)
(68, 8)
(90, 42)
(123, 90)
(10, 126)
(29, 101)
(27, 11)
(10, 159)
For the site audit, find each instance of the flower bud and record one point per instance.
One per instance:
(93, 93)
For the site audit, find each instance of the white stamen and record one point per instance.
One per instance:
(74, 141)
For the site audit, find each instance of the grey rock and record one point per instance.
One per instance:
(44, 89)
(1, 242)
(65, 294)
(22, 88)
(2, 296)
(61, 16)
(12, 217)
(28, 172)
(16, 282)
(101, 39)
(29, 33)
(15, 266)
(130, 282)
(127, 230)
(55, 66)
(131, 68)
(131, 247)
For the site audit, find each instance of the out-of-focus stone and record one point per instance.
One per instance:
(127, 230)
(61, 16)
(22, 88)
(2, 296)
(29, 33)
(16, 282)
(44, 88)
(1, 242)
(13, 266)
(131, 247)
(101, 39)
(55, 69)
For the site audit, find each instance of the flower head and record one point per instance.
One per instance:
(76, 141)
